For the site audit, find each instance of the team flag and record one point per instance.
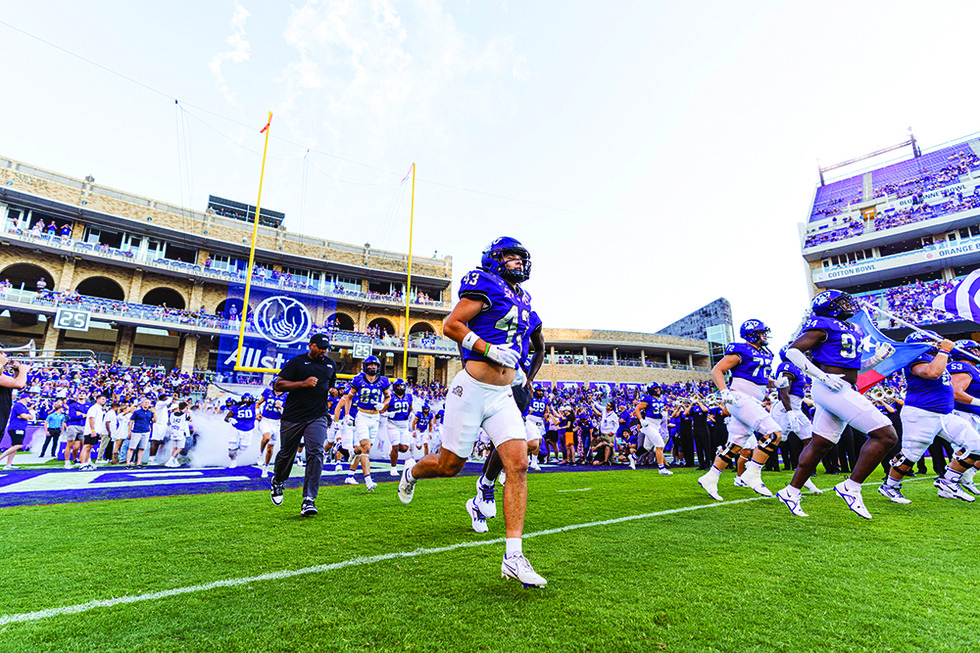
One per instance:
(904, 354)
(963, 300)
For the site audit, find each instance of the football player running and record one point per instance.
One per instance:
(835, 348)
(488, 322)
(650, 411)
(397, 416)
(369, 392)
(750, 364)
(928, 411)
(966, 386)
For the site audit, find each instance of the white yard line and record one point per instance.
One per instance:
(353, 562)
(578, 489)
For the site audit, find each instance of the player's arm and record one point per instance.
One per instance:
(639, 409)
(935, 368)
(228, 417)
(783, 393)
(342, 404)
(387, 400)
(961, 381)
(797, 356)
(724, 365)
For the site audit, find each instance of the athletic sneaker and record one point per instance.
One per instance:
(710, 484)
(406, 487)
(350, 480)
(370, 484)
(950, 490)
(632, 461)
(479, 521)
(812, 487)
(517, 567)
(970, 487)
(739, 482)
(534, 464)
(338, 468)
(485, 500)
(666, 472)
(854, 500)
(68, 465)
(893, 493)
(7, 468)
(792, 503)
(277, 491)
(393, 471)
(265, 471)
(308, 509)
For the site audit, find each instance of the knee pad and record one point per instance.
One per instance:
(967, 458)
(902, 464)
(769, 443)
(729, 452)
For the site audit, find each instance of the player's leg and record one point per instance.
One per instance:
(960, 433)
(738, 433)
(290, 435)
(314, 435)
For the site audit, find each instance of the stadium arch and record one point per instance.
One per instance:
(384, 324)
(421, 327)
(341, 321)
(164, 295)
(27, 274)
(102, 287)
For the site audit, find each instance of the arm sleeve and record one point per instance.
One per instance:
(799, 359)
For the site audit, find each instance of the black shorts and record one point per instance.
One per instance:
(551, 436)
(16, 437)
(522, 397)
(92, 439)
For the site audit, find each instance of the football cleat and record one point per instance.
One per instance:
(739, 482)
(632, 461)
(950, 490)
(517, 567)
(308, 509)
(534, 464)
(893, 493)
(666, 472)
(854, 500)
(370, 484)
(393, 471)
(277, 492)
(485, 500)
(406, 487)
(338, 467)
(350, 480)
(760, 488)
(793, 503)
(710, 484)
(479, 521)
(970, 487)
(809, 484)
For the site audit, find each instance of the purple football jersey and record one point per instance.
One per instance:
(533, 324)
(755, 365)
(962, 367)
(842, 348)
(934, 395)
(368, 393)
(506, 314)
(797, 387)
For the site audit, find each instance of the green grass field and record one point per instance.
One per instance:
(739, 576)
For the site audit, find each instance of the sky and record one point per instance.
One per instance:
(652, 156)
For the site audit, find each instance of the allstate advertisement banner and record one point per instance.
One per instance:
(279, 326)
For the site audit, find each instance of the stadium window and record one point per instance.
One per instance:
(826, 263)
(298, 274)
(178, 253)
(348, 284)
(131, 243)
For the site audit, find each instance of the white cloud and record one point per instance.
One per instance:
(239, 52)
(387, 70)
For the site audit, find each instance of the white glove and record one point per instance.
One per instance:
(728, 397)
(379, 405)
(781, 382)
(884, 350)
(835, 382)
(503, 356)
(349, 421)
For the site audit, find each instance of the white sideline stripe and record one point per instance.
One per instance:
(578, 489)
(353, 562)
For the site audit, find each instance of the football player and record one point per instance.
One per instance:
(489, 322)
(269, 408)
(397, 417)
(835, 347)
(421, 427)
(928, 411)
(369, 392)
(750, 363)
(243, 416)
(966, 386)
(649, 411)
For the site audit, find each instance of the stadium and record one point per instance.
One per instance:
(229, 427)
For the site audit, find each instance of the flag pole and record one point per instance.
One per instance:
(915, 328)
(408, 284)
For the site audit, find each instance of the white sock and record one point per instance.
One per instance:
(409, 475)
(851, 486)
(514, 546)
(714, 470)
(792, 492)
(484, 481)
(968, 475)
(751, 464)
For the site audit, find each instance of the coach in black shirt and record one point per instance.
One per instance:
(306, 378)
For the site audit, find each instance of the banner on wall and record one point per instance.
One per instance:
(279, 326)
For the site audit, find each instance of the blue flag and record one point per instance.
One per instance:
(904, 354)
